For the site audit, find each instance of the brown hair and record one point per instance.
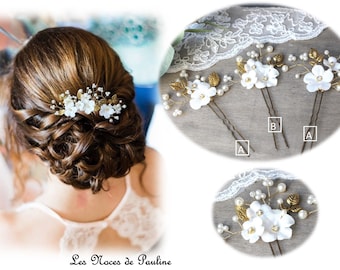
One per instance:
(86, 149)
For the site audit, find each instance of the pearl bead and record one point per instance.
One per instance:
(284, 68)
(297, 76)
(303, 214)
(280, 201)
(220, 92)
(165, 96)
(239, 201)
(281, 187)
(252, 194)
(235, 218)
(337, 88)
(270, 49)
(239, 59)
(225, 88)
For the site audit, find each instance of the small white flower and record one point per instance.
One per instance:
(70, 108)
(252, 230)
(106, 110)
(202, 94)
(318, 79)
(252, 65)
(249, 79)
(266, 76)
(332, 63)
(277, 225)
(86, 104)
(257, 210)
(117, 108)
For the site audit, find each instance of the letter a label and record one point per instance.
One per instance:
(242, 148)
(310, 133)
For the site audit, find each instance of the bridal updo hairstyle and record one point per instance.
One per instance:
(86, 149)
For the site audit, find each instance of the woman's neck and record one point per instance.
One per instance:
(82, 205)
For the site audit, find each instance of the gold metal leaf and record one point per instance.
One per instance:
(214, 79)
(178, 86)
(277, 60)
(240, 67)
(241, 213)
(293, 199)
(315, 56)
(295, 208)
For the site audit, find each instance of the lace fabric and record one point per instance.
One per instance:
(135, 218)
(248, 178)
(225, 33)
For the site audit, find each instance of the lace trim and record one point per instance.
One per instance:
(246, 179)
(220, 36)
(140, 223)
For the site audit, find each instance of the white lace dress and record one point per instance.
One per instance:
(135, 218)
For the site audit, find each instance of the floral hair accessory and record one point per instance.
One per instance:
(321, 74)
(261, 219)
(93, 99)
(200, 92)
(261, 71)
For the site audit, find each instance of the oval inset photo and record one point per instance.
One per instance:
(265, 212)
(254, 82)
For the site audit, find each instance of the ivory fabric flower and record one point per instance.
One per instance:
(277, 226)
(259, 75)
(106, 110)
(257, 210)
(266, 76)
(332, 63)
(86, 104)
(249, 79)
(252, 229)
(70, 108)
(201, 95)
(318, 79)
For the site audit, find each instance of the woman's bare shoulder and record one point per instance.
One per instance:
(151, 172)
(8, 226)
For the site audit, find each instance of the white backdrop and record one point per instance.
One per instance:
(194, 175)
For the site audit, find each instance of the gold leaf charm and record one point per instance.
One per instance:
(241, 213)
(214, 79)
(178, 86)
(240, 67)
(277, 60)
(315, 56)
(295, 208)
(293, 199)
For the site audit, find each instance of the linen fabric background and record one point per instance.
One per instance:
(247, 110)
(223, 211)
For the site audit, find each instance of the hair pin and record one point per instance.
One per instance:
(93, 99)
(321, 74)
(201, 92)
(261, 71)
(260, 219)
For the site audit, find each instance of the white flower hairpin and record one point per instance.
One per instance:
(261, 71)
(201, 92)
(321, 73)
(259, 220)
(93, 99)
